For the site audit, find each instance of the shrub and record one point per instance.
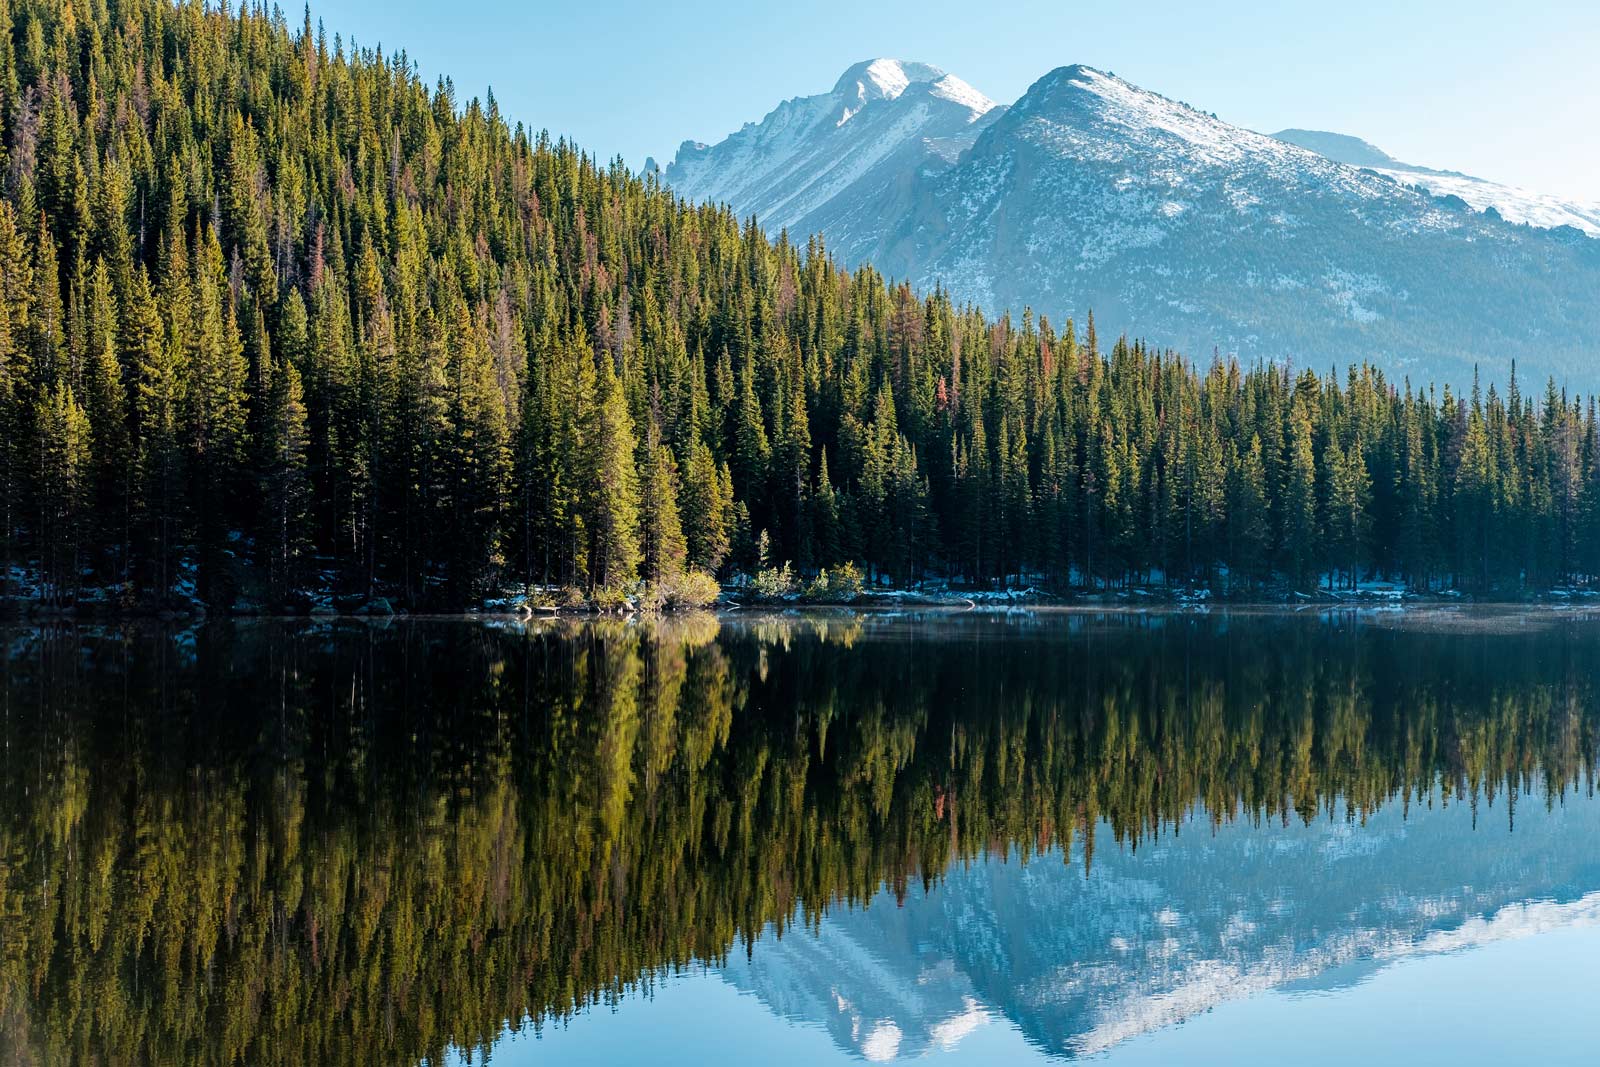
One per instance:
(611, 598)
(774, 582)
(695, 589)
(845, 581)
(655, 596)
(836, 584)
(685, 592)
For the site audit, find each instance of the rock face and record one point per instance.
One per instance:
(1091, 193)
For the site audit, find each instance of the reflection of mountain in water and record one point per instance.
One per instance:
(1159, 934)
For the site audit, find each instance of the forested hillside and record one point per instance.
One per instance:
(275, 313)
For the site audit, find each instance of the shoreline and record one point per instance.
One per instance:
(732, 604)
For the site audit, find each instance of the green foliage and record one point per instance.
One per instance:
(707, 508)
(610, 598)
(664, 546)
(63, 463)
(694, 589)
(838, 584)
(313, 308)
(773, 583)
(684, 591)
(613, 488)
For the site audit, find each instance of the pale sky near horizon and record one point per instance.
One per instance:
(1505, 92)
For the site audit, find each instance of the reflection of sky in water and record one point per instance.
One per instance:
(1333, 943)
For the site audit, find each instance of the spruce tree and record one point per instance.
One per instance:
(613, 487)
(14, 384)
(1300, 499)
(707, 506)
(1249, 536)
(216, 417)
(61, 429)
(158, 418)
(105, 406)
(286, 492)
(664, 548)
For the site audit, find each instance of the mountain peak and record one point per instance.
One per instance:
(884, 79)
(888, 79)
(1080, 85)
(839, 161)
(1079, 75)
(1076, 71)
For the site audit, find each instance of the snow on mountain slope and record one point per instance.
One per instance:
(836, 162)
(1092, 193)
(1512, 203)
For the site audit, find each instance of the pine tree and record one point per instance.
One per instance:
(158, 403)
(286, 492)
(1249, 535)
(1474, 503)
(474, 455)
(64, 474)
(1349, 499)
(612, 488)
(543, 506)
(792, 481)
(707, 508)
(664, 547)
(215, 416)
(1300, 499)
(750, 449)
(573, 480)
(1015, 518)
(15, 373)
(880, 532)
(105, 406)
(46, 314)
(825, 517)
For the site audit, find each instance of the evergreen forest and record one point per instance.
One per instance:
(277, 315)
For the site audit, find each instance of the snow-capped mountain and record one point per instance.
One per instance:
(1510, 202)
(840, 162)
(1092, 193)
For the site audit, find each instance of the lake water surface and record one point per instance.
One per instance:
(975, 838)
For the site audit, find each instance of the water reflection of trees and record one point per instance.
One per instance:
(269, 845)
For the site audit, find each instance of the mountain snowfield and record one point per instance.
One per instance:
(1090, 193)
(839, 162)
(1510, 202)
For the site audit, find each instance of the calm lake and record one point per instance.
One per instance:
(974, 838)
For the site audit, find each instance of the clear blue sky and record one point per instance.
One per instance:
(1504, 91)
